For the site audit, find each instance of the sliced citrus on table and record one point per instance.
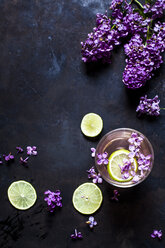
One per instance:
(22, 195)
(116, 159)
(87, 198)
(91, 125)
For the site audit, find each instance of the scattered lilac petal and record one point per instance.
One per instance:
(91, 222)
(19, 149)
(32, 150)
(93, 152)
(8, 157)
(53, 199)
(157, 234)
(148, 106)
(76, 235)
(116, 195)
(23, 161)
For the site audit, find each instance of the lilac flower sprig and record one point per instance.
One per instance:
(148, 106)
(96, 178)
(53, 199)
(91, 222)
(115, 195)
(76, 235)
(32, 150)
(102, 158)
(156, 234)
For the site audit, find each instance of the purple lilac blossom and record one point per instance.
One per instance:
(143, 59)
(53, 199)
(115, 3)
(8, 157)
(93, 152)
(32, 150)
(157, 234)
(23, 161)
(116, 195)
(76, 235)
(96, 178)
(91, 222)
(19, 149)
(102, 158)
(156, 9)
(148, 106)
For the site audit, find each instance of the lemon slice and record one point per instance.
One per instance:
(91, 125)
(22, 195)
(87, 198)
(116, 159)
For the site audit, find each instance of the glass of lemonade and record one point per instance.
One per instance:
(115, 141)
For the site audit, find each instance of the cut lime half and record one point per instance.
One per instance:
(87, 198)
(22, 195)
(91, 125)
(116, 159)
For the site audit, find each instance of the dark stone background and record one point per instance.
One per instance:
(45, 90)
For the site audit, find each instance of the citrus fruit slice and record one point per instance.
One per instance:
(116, 159)
(91, 125)
(87, 198)
(22, 195)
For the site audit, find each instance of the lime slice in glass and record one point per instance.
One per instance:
(87, 198)
(91, 125)
(116, 159)
(22, 195)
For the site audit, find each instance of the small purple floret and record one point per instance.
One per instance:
(76, 235)
(116, 195)
(8, 157)
(93, 152)
(96, 178)
(91, 222)
(148, 106)
(157, 234)
(53, 199)
(23, 161)
(19, 149)
(32, 150)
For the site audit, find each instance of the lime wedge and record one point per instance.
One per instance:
(87, 198)
(91, 125)
(116, 159)
(22, 195)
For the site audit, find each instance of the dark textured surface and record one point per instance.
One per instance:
(45, 90)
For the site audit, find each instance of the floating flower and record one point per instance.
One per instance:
(19, 149)
(116, 195)
(91, 222)
(148, 106)
(93, 152)
(32, 150)
(53, 199)
(144, 163)
(157, 234)
(76, 235)
(102, 158)
(8, 157)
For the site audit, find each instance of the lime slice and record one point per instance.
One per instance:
(22, 195)
(91, 125)
(87, 198)
(116, 159)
